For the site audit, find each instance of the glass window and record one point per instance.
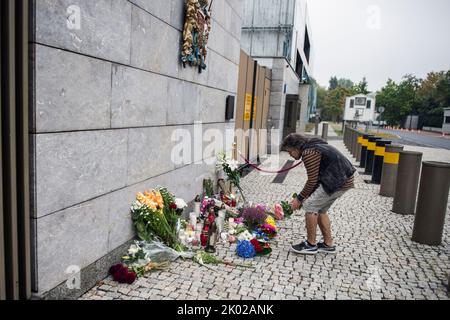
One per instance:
(360, 101)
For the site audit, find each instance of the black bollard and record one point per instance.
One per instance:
(359, 146)
(371, 146)
(364, 143)
(354, 142)
(378, 160)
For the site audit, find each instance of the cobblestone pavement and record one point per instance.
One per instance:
(376, 257)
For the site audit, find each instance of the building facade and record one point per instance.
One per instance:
(278, 35)
(108, 91)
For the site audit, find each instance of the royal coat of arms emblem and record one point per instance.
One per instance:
(196, 31)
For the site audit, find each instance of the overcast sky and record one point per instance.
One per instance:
(379, 39)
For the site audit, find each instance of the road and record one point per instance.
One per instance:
(423, 139)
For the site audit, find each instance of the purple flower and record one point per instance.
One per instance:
(261, 207)
(254, 216)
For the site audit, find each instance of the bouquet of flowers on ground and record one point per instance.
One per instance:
(250, 248)
(266, 231)
(154, 213)
(230, 167)
(139, 261)
(269, 228)
(261, 229)
(254, 216)
(122, 274)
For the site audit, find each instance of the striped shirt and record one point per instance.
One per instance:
(311, 159)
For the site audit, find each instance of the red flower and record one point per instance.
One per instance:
(115, 268)
(173, 206)
(130, 277)
(121, 274)
(256, 245)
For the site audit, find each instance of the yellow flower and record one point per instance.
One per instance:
(271, 221)
(152, 205)
(159, 200)
(148, 194)
(140, 197)
(152, 199)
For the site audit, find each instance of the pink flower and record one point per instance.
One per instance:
(239, 220)
(279, 213)
(269, 230)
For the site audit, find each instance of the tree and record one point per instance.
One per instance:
(333, 83)
(399, 100)
(345, 83)
(335, 103)
(361, 87)
(433, 95)
(387, 98)
(321, 95)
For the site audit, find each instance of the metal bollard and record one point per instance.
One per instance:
(325, 131)
(364, 144)
(432, 203)
(371, 146)
(354, 142)
(359, 146)
(390, 168)
(349, 139)
(407, 182)
(345, 135)
(316, 126)
(377, 168)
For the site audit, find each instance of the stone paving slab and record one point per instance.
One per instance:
(376, 257)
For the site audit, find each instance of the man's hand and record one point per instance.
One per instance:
(295, 204)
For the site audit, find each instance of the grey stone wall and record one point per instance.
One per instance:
(284, 82)
(107, 98)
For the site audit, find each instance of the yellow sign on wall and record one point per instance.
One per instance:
(248, 108)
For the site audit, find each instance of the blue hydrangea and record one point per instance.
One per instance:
(245, 249)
